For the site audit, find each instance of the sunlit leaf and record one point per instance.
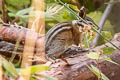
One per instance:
(33, 69)
(12, 9)
(93, 55)
(22, 12)
(32, 78)
(9, 66)
(11, 14)
(104, 77)
(65, 1)
(108, 50)
(74, 7)
(0, 26)
(18, 2)
(49, 77)
(96, 71)
(109, 60)
(105, 34)
(48, 16)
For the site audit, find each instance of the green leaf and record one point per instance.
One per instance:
(18, 2)
(105, 34)
(48, 16)
(65, 1)
(104, 77)
(93, 55)
(49, 77)
(9, 66)
(22, 12)
(108, 50)
(96, 71)
(0, 26)
(12, 9)
(113, 2)
(109, 60)
(11, 14)
(32, 78)
(34, 69)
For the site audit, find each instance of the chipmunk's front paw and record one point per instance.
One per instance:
(52, 59)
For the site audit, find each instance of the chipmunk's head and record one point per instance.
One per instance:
(78, 23)
(82, 14)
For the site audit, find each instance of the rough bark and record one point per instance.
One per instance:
(12, 34)
(79, 71)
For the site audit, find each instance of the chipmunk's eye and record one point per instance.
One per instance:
(80, 24)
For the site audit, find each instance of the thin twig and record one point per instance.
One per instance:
(79, 18)
(14, 20)
(101, 23)
(3, 11)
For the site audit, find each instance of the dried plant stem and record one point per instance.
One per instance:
(1, 73)
(3, 11)
(28, 51)
(39, 16)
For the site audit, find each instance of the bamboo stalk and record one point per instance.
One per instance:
(37, 21)
(28, 51)
(1, 73)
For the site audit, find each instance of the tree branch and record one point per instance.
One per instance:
(3, 11)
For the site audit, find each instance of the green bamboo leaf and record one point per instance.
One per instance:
(105, 34)
(96, 71)
(108, 50)
(93, 55)
(22, 12)
(65, 1)
(48, 16)
(34, 69)
(11, 14)
(18, 2)
(49, 77)
(109, 60)
(9, 66)
(12, 9)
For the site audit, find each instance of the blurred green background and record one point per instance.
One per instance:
(55, 13)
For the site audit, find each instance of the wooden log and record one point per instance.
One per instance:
(10, 34)
(78, 69)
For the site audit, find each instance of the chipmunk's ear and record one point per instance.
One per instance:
(82, 12)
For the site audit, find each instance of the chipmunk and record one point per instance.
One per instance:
(62, 36)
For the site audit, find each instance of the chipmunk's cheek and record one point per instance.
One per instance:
(87, 27)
